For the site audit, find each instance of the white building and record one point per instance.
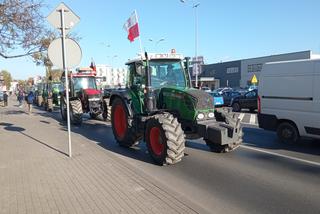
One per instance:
(253, 66)
(108, 77)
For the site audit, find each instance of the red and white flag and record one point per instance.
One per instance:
(132, 27)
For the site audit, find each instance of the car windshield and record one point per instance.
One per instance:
(84, 83)
(167, 73)
(215, 94)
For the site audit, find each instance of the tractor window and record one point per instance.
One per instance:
(137, 74)
(84, 83)
(167, 73)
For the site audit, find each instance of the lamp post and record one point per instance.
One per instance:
(195, 5)
(156, 42)
(112, 57)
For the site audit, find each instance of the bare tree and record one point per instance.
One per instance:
(22, 26)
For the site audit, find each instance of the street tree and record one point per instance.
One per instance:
(22, 27)
(7, 79)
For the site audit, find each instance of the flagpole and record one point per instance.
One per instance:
(135, 13)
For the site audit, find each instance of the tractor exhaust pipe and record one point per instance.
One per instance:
(150, 101)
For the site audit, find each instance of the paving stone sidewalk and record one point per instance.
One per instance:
(36, 175)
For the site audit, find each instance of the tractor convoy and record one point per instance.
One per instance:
(84, 97)
(158, 105)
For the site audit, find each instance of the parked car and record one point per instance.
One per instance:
(222, 90)
(206, 89)
(252, 87)
(228, 96)
(249, 101)
(217, 99)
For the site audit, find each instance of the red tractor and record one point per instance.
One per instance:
(84, 97)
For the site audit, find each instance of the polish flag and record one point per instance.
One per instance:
(132, 27)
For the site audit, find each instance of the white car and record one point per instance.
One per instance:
(289, 99)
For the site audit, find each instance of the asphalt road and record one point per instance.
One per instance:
(262, 176)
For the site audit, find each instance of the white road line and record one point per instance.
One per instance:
(280, 155)
(249, 124)
(241, 116)
(252, 119)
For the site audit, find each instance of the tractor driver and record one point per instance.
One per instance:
(170, 77)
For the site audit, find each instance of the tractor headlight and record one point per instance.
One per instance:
(211, 115)
(200, 116)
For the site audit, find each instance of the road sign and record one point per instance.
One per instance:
(64, 52)
(73, 53)
(254, 79)
(70, 18)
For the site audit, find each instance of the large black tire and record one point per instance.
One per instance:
(93, 116)
(123, 131)
(106, 114)
(288, 133)
(76, 112)
(40, 100)
(165, 139)
(236, 107)
(63, 109)
(50, 105)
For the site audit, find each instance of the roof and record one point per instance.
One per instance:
(156, 56)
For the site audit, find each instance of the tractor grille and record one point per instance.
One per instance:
(203, 99)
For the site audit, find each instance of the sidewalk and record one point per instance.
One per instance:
(37, 176)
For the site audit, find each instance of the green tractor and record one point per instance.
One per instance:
(161, 107)
(47, 97)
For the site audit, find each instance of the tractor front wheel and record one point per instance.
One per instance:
(106, 114)
(76, 112)
(50, 105)
(63, 109)
(165, 139)
(123, 132)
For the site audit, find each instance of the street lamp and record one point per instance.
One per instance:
(112, 57)
(156, 42)
(195, 5)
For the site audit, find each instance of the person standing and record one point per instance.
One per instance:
(30, 99)
(5, 98)
(20, 97)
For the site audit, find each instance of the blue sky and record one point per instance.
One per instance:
(227, 30)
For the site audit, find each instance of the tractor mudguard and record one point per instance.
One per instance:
(219, 132)
(125, 100)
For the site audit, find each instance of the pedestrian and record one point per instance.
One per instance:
(30, 99)
(5, 98)
(20, 97)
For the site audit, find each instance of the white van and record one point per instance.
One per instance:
(289, 99)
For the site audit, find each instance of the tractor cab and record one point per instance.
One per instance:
(166, 70)
(84, 83)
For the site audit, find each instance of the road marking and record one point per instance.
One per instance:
(244, 123)
(280, 155)
(252, 119)
(241, 116)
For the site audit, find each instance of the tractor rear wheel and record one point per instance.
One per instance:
(76, 112)
(165, 139)
(124, 133)
(63, 109)
(106, 114)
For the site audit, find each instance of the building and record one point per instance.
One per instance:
(108, 77)
(221, 74)
(253, 66)
(239, 73)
